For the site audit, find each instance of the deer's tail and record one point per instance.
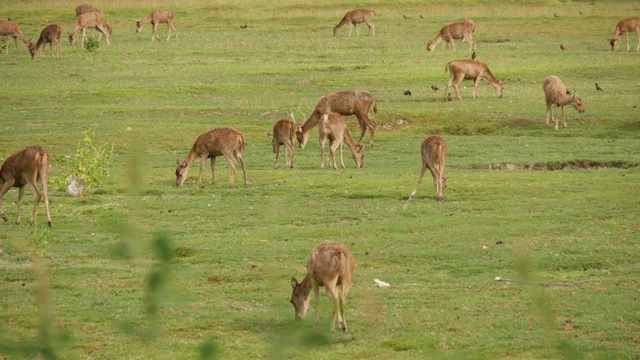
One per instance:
(446, 68)
(375, 106)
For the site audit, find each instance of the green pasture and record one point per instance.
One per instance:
(539, 262)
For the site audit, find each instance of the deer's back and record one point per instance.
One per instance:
(85, 9)
(344, 102)
(434, 150)
(22, 164)
(162, 15)
(330, 260)
(553, 88)
(219, 141)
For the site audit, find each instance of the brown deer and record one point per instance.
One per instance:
(158, 17)
(433, 156)
(330, 265)
(85, 8)
(225, 142)
(284, 133)
(346, 102)
(355, 17)
(49, 35)
(470, 70)
(90, 20)
(458, 30)
(26, 167)
(333, 127)
(626, 26)
(555, 93)
(9, 29)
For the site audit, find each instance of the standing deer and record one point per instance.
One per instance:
(330, 265)
(90, 20)
(626, 26)
(458, 30)
(49, 35)
(85, 8)
(353, 18)
(346, 102)
(220, 141)
(26, 167)
(333, 127)
(555, 92)
(284, 133)
(158, 17)
(470, 70)
(433, 156)
(9, 29)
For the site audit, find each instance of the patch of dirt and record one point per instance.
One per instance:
(554, 165)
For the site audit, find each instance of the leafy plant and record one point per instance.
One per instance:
(91, 44)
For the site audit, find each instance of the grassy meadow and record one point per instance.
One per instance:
(540, 262)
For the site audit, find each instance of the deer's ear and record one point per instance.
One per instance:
(294, 283)
(178, 160)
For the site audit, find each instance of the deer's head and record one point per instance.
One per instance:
(358, 156)
(72, 38)
(181, 172)
(31, 48)
(499, 86)
(576, 102)
(300, 299)
(139, 25)
(302, 137)
(430, 46)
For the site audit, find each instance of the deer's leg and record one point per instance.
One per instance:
(238, 156)
(322, 142)
(548, 112)
(627, 36)
(437, 182)
(357, 31)
(350, 28)
(277, 151)
(203, 161)
(232, 163)
(372, 29)
(334, 299)
(564, 119)
(638, 32)
(44, 178)
(175, 32)
(155, 30)
(316, 295)
(36, 197)
(422, 171)
(555, 112)
(476, 83)
(365, 123)
(20, 195)
(455, 85)
(5, 187)
(289, 145)
(343, 301)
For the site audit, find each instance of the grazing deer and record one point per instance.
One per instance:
(458, 30)
(626, 26)
(26, 167)
(9, 29)
(90, 20)
(470, 70)
(158, 17)
(220, 141)
(330, 265)
(433, 156)
(346, 102)
(85, 8)
(284, 133)
(555, 93)
(353, 18)
(333, 126)
(49, 35)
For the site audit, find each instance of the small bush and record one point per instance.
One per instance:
(91, 44)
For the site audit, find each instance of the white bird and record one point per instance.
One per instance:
(381, 284)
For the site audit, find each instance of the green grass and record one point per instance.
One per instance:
(141, 269)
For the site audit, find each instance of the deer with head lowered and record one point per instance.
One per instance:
(158, 17)
(555, 93)
(470, 70)
(26, 167)
(433, 151)
(333, 127)
(355, 17)
(346, 102)
(284, 133)
(458, 30)
(85, 8)
(90, 20)
(625, 26)
(49, 35)
(225, 142)
(330, 265)
(9, 29)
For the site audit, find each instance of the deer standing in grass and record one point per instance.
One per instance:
(284, 133)
(458, 30)
(26, 167)
(330, 265)
(225, 142)
(626, 26)
(90, 20)
(346, 102)
(85, 8)
(49, 35)
(470, 70)
(333, 127)
(158, 17)
(353, 18)
(555, 93)
(433, 152)
(9, 29)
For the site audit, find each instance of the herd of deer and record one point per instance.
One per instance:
(330, 264)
